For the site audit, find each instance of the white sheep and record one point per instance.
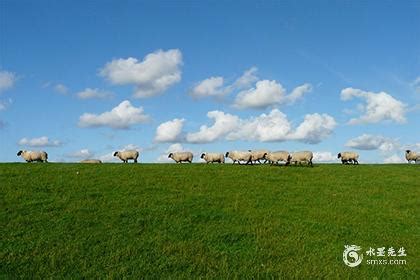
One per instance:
(126, 155)
(91, 161)
(304, 156)
(349, 157)
(213, 157)
(412, 156)
(31, 156)
(179, 157)
(275, 157)
(258, 155)
(240, 156)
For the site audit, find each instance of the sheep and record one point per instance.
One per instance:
(258, 155)
(304, 156)
(240, 155)
(349, 157)
(179, 157)
(126, 155)
(31, 156)
(91, 161)
(412, 156)
(213, 157)
(275, 157)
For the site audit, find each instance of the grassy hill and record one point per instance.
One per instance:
(211, 221)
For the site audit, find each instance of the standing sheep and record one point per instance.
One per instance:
(31, 156)
(179, 157)
(275, 157)
(349, 157)
(213, 157)
(304, 156)
(126, 155)
(240, 156)
(412, 156)
(258, 155)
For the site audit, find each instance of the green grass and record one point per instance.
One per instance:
(205, 221)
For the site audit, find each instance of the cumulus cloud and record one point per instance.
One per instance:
(7, 80)
(394, 159)
(248, 78)
(89, 93)
(379, 106)
(81, 154)
(268, 93)
(155, 74)
(121, 117)
(212, 86)
(43, 141)
(373, 142)
(324, 157)
(169, 131)
(266, 127)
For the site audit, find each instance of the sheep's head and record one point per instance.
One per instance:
(289, 158)
(227, 154)
(19, 153)
(265, 155)
(339, 155)
(407, 151)
(203, 155)
(115, 154)
(170, 155)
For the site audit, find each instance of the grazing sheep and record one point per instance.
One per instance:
(258, 155)
(349, 157)
(213, 157)
(179, 157)
(412, 156)
(240, 156)
(91, 161)
(126, 155)
(275, 157)
(31, 156)
(305, 156)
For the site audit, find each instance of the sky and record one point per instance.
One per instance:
(82, 79)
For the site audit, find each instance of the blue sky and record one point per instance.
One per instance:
(82, 79)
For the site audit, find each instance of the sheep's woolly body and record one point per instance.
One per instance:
(91, 161)
(126, 155)
(179, 157)
(258, 155)
(213, 157)
(412, 156)
(240, 156)
(299, 157)
(31, 156)
(347, 157)
(275, 157)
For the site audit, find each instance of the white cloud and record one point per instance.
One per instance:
(61, 89)
(212, 86)
(268, 93)
(155, 74)
(121, 117)
(131, 147)
(379, 106)
(169, 131)
(5, 103)
(416, 85)
(223, 123)
(394, 159)
(39, 142)
(177, 147)
(324, 157)
(89, 93)
(7, 80)
(373, 142)
(247, 79)
(265, 127)
(81, 154)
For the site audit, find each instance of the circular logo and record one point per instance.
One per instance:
(351, 257)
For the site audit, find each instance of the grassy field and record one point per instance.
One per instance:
(205, 221)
